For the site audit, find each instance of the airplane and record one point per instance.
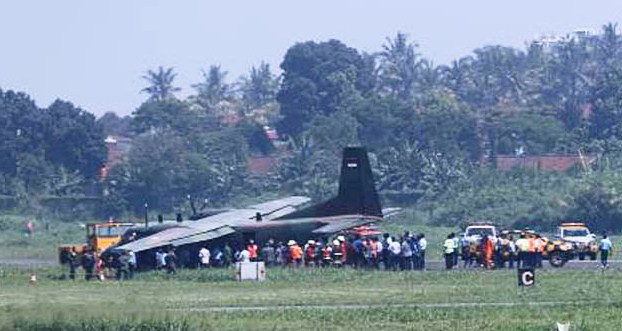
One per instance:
(356, 204)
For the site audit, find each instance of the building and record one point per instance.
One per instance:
(552, 162)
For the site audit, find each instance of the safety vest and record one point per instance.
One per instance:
(252, 251)
(326, 253)
(295, 252)
(449, 246)
(532, 245)
(310, 252)
(373, 246)
(539, 242)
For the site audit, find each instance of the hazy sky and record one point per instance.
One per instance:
(93, 53)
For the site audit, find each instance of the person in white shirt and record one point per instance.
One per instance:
(204, 257)
(605, 250)
(423, 244)
(245, 256)
(395, 249)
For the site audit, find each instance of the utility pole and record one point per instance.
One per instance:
(146, 214)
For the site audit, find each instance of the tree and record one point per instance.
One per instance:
(170, 114)
(318, 79)
(74, 139)
(259, 87)
(213, 90)
(399, 66)
(115, 125)
(160, 84)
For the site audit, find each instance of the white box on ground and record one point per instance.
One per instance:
(250, 271)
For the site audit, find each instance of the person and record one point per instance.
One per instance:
(449, 250)
(489, 249)
(423, 245)
(72, 260)
(386, 253)
(99, 268)
(88, 264)
(218, 259)
(295, 252)
(379, 252)
(522, 245)
(227, 255)
(133, 263)
(511, 252)
(244, 256)
(30, 228)
(372, 253)
(540, 246)
(123, 266)
(204, 257)
(268, 254)
(396, 250)
(345, 252)
(359, 252)
(285, 256)
(253, 250)
(327, 255)
(605, 250)
(309, 255)
(407, 254)
(337, 255)
(171, 262)
(454, 258)
(160, 259)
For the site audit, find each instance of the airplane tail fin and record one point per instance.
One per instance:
(357, 192)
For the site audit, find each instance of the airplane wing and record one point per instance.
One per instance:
(214, 226)
(335, 227)
(162, 238)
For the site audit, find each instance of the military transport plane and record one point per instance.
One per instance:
(356, 204)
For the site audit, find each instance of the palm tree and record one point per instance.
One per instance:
(399, 65)
(260, 87)
(213, 89)
(160, 84)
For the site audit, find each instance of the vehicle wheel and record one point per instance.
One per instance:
(556, 259)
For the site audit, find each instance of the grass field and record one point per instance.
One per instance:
(314, 299)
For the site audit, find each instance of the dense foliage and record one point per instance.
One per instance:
(434, 132)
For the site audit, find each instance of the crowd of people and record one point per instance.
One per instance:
(528, 251)
(382, 252)
(406, 252)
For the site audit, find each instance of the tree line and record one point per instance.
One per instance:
(434, 130)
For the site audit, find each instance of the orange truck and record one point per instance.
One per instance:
(99, 236)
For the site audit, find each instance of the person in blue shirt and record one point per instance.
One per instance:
(605, 249)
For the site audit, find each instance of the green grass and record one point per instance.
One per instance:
(313, 299)
(15, 244)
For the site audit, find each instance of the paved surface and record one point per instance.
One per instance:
(27, 263)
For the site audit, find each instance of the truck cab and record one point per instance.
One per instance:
(477, 231)
(579, 235)
(99, 236)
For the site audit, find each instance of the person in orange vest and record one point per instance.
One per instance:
(310, 253)
(327, 255)
(531, 251)
(253, 250)
(540, 245)
(373, 253)
(489, 249)
(295, 253)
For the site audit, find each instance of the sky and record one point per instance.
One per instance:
(93, 53)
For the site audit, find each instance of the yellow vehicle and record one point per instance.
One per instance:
(99, 236)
